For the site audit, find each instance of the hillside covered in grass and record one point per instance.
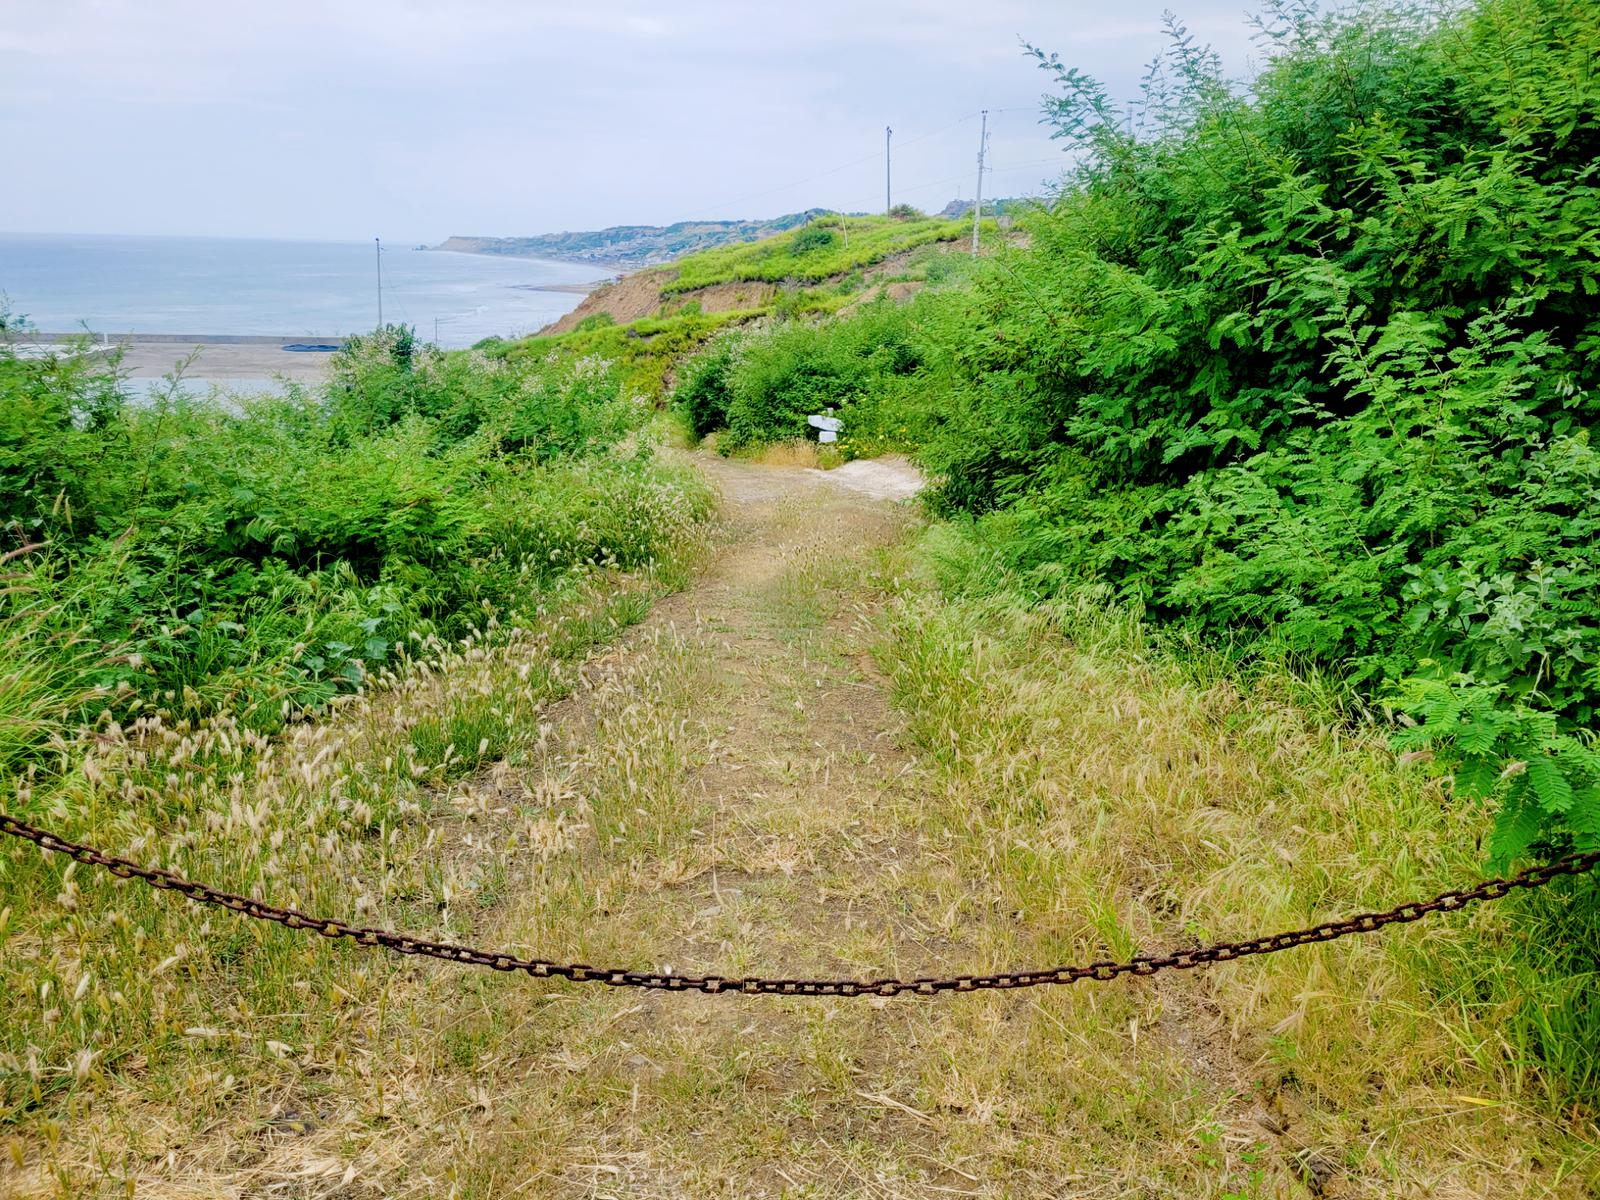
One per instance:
(823, 248)
(650, 320)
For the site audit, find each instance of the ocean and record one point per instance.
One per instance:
(118, 284)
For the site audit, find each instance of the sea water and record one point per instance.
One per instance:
(117, 284)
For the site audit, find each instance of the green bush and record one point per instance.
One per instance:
(1309, 371)
(1306, 371)
(260, 556)
(795, 369)
(812, 238)
(703, 392)
(55, 413)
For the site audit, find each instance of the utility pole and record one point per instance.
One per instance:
(377, 247)
(888, 200)
(977, 208)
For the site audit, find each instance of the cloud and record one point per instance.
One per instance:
(420, 118)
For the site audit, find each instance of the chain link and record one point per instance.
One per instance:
(1143, 964)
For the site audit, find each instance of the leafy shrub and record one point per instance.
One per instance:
(812, 238)
(53, 415)
(1318, 362)
(794, 370)
(703, 391)
(1307, 371)
(263, 556)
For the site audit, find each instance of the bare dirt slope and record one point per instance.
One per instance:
(639, 295)
(628, 299)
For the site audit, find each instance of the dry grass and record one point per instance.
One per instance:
(807, 763)
(797, 452)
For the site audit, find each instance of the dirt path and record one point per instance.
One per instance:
(799, 767)
(753, 738)
(741, 796)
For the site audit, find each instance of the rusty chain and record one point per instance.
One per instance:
(1143, 964)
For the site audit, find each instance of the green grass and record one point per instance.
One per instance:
(646, 351)
(732, 789)
(642, 352)
(849, 244)
(1232, 768)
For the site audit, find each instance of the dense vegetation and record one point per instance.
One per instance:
(1300, 377)
(1305, 371)
(818, 269)
(265, 641)
(199, 557)
(822, 248)
(759, 387)
(642, 352)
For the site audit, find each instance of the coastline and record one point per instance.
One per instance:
(230, 286)
(616, 267)
(211, 357)
(221, 362)
(573, 289)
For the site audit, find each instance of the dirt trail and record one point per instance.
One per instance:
(789, 779)
(737, 786)
(791, 740)
(749, 803)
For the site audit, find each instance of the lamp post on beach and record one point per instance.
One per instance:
(377, 246)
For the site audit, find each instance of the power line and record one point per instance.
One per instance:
(930, 183)
(934, 132)
(1041, 162)
(855, 162)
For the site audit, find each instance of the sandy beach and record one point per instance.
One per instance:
(152, 360)
(211, 358)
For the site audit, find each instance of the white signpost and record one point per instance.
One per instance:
(827, 427)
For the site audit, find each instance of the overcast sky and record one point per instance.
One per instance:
(346, 119)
